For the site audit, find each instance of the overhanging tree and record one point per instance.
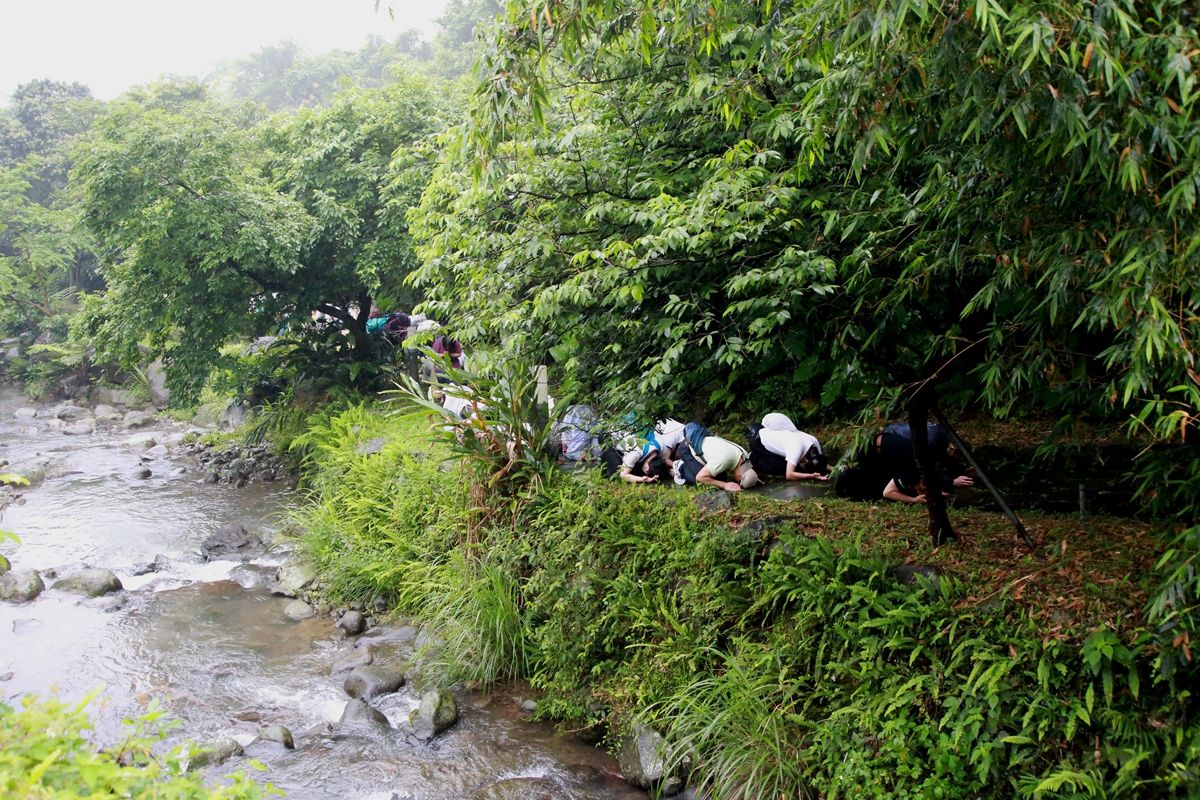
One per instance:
(212, 231)
(998, 196)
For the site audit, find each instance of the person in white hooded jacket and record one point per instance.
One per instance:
(778, 448)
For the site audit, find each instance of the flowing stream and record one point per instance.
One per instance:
(212, 645)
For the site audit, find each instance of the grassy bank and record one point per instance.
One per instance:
(772, 642)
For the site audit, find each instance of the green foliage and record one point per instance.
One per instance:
(689, 198)
(213, 230)
(45, 754)
(776, 663)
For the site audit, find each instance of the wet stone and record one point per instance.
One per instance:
(299, 610)
(83, 427)
(142, 473)
(136, 419)
(293, 577)
(21, 586)
(373, 680)
(358, 710)
(25, 413)
(279, 734)
(70, 413)
(353, 623)
(360, 657)
(437, 713)
(93, 582)
(232, 541)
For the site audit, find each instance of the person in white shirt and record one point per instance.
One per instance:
(651, 460)
(779, 448)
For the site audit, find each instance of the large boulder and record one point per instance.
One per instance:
(106, 412)
(69, 413)
(25, 413)
(21, 585)
(360, 711)
(437, 713)
(136, 419)
(642, 762)
(232, 542)
(92, 582)
(372, 680)
(293, 578)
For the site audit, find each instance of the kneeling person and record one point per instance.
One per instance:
(778, 448)
(716, 462)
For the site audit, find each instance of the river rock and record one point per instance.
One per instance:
(136, 419)
(437, 713)
(711, 502)
(83, 427)
(353, 623)
(55, 424)
(69, 413)
(215, 753)
(641, 761)
(143, 441)
(232, 541)
(142, 473)
(359, 657)
(294, 577)
(106, 412)
(358, 710)
(277, 733)
(373, 680)
(157, 451)
(21, 585)
(299, 610)
(25, 413)
(93, 582)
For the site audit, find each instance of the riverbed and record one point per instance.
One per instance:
(209, 641)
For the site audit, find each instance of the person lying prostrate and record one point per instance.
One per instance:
(780, 449)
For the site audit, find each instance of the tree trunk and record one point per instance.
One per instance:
(940, 530)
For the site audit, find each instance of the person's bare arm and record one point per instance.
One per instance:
(706, 477)
(892, 492)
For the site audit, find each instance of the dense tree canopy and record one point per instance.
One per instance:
(816, 199)
(211, 230)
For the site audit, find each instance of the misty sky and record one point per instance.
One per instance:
(111, 45)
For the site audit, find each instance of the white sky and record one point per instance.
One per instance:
(112, 45)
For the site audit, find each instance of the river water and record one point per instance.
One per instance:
(209, 643)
